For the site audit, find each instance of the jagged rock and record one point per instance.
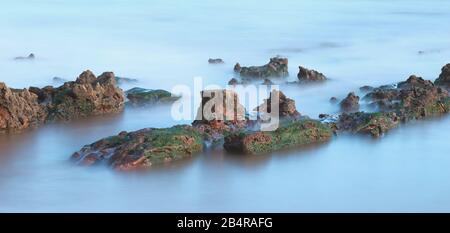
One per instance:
(290, 134)
(375, 124)
(29, 57)
(87, 96)
(215, 61)
(277, 67)
(444, 77)
(19, 109)
(221, 116)
(306, 75)
(141, 97)
(350, 103)
(142, 148)
(286, 106)
(414, 98)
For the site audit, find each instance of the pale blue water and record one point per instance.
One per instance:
(165, 43)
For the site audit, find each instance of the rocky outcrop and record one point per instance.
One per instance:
(277, 67)
(286, 106)
(444, 77)
(350, 103)
(142, 148)
(87, 96)
(306, 75)
(374, 124)
(290, 134)
(144, 97)
(414, 98)
(19, 109)
(220, 111)
(215, 61)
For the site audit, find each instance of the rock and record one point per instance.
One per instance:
(29, 57)
(366, 88)
(215, 61)
(142, 148)
(414, 98)
(444, 77)
(19, 109)
(123, 80)
(350, 103)
(306, 75)
(323, 116)
(267, 82)
(237, 68)
(374, 124)
(277, 67)
(333, 100)
(290, 134)
(222, 116)
(87, 96)
(286, 106)
(141, 97)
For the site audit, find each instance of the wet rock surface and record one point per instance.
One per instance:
(290, 134)
(350, 103)
(142, 148)
(87, 96)
(286, 106)
(226, 114)
(143, 97)
(277, 67)
(307, 75)
(19, 109)
(374, 124)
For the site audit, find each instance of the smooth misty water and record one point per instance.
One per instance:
(165, 43)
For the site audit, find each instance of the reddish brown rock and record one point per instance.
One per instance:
(350, 103)
(286, 106)
(277, 67)
(444, 77)
(306, 75)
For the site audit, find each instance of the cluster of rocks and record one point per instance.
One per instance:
(277, 67)
(87, 96)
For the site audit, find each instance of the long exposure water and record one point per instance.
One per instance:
(165, 43)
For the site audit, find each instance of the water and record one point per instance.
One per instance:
(165, 43)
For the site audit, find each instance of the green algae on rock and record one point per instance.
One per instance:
(375, 124)
(142, 148)
(141, 96)
(289, 134)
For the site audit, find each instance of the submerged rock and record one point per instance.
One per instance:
(290, 134)
(142, 148)
(19, 109)
(29, 57)
(306, 75)
(366, 88)
(444, 77)
(333, 100)
(277, 67)
(215, 61)
(350, 103)
(267, 82)
(286, 106)
(141, 97)
(123, 80)
(58, 80)
(234, 82)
